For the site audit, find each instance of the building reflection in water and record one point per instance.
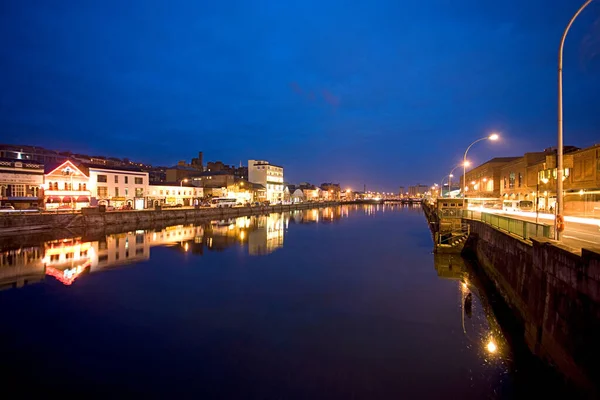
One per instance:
(478, 322)
(68, 259)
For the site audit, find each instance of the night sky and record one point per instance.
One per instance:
(385, 93)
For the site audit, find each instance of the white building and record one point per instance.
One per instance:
(186, 195)
(118, 187)
(268, 175)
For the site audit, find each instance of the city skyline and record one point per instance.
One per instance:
(365, 93)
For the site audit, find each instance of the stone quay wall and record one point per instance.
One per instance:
(554, 290)
(11, 223)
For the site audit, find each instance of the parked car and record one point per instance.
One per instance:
(127, 207)
(179, 205)
(65, 207)
(110, 208)
(7, 207)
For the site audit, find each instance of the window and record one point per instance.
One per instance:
(102, 178)
(161, 192)
(139, 251)
(511, 180)
(102, 191)
(116, 178)
(139, 192)
(126, 179)
(139, 181)
(18, 190)
(520, 182)
(139, 239)
(167, 192)
(84, 186)
(103, 258)
(116, 192)
(126, 192)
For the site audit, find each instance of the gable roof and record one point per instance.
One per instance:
(49, 169)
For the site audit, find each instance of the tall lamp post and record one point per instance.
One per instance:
(492, 137)
(560, 165)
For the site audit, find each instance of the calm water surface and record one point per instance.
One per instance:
(345, 302)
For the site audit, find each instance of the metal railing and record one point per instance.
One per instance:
(523, 229)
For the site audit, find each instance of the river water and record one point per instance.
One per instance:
(341, 302)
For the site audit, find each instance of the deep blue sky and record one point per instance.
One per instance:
(386, 93)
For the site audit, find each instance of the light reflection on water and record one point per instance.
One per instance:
(357, 305)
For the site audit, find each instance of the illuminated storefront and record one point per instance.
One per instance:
(66, 187)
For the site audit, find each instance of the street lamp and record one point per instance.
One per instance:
(450, 176)
(493, 137)
(183, 180)
(560, 166)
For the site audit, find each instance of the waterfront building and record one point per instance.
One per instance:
(519, 179)
(270, 176)
(296, 194)
(311, 192)
(171, 194)
(331, 191)
(582, 195)
(20, 183)
(66, 186)
(581, 182)
(483, 181)
(118, 187)
(417, 190)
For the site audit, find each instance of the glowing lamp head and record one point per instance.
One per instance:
(467, 163)
(491, 346)
(494, 137)
(451, 176)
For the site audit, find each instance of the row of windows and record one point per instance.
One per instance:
(66, 186)
(510, 183)
(137, 180)
(177, 192)
(102, 191)
(18, 191)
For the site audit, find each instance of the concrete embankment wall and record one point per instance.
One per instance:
(12, 223)
(554, 290)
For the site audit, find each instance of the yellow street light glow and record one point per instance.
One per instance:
(491, 346)
(494, 136)
(467, 163)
